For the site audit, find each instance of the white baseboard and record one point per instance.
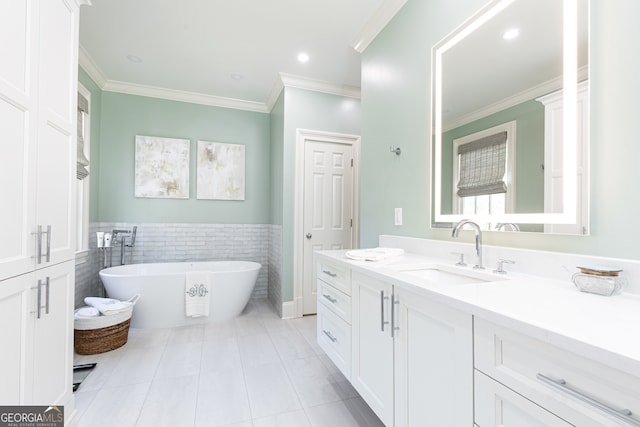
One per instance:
(289, 310)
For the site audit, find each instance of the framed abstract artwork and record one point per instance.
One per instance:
(161, 167)
(220, 171)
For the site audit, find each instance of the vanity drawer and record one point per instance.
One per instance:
(334, 337)
(336, 275)
(335, 300)
(579, 390)
(497, 405)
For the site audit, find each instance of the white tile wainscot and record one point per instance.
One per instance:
(583, 341)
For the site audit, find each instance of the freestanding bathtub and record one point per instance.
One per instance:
(162, 290)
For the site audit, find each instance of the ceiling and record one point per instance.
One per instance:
(235, 53)
(483, 72)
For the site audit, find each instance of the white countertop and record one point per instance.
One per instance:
(605, 329)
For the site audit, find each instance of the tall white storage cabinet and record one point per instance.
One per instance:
(38, 102)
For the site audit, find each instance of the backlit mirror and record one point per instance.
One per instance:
(510, 125)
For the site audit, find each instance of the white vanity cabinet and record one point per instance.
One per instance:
(372, 351)
(38, 115)
(497, 405)
(334, 314)
(412, 357)
(433, 368)
(565, 385)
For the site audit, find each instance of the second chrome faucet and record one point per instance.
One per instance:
(476, 228)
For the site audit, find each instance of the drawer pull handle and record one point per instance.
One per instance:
(333, 300)
(560, 384)
(328, 334)
(329, 273)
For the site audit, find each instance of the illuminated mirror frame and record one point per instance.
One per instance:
(569, 152)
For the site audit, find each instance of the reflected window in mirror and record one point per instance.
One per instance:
(484, 171)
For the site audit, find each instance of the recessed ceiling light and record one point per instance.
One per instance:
(237, 76)
(511, 34)
(134, 58)
(303, 57)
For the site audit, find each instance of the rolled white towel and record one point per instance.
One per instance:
(84, 312)
(374, 254)
(108, 306)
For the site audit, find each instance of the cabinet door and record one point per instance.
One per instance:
(433, 364)
(497, 405)
(57, 117)
(52, 336)
(18, 127)
(372, 345)
(14, 309)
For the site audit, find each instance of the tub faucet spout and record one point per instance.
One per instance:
(476, 228)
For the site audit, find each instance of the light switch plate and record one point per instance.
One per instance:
(398, 216)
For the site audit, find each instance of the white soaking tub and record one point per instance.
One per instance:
(162, 290)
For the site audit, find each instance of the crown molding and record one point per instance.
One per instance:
(518, 98)
(277, 88)
(298, 82)
(88, 64)
(376, 24)
(184, 96)
(283, 80)
(290, 80)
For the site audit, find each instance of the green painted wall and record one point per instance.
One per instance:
(396, 110)
(277, 157)
(95, 113)
(125, 116)
(305, 109)
(529, 117)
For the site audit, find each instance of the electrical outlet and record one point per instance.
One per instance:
(398, 216)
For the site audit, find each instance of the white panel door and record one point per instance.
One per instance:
(372, 344)
(18, 127)
(56, 159)
(51, 380)
(14, 308)
(328, 207)
(433, 363)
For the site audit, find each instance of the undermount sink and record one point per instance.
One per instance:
(443, 275)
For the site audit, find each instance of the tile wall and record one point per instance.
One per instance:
(169, 242)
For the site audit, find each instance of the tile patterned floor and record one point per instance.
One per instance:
(255, 371)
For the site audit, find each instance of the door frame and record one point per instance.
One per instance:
(302, 136)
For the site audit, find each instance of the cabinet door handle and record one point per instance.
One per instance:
(393, 315)
(48, 245)
(328, 334)
(382, 321)
(329, 273)
(39, 298)
(333, 300)
(560, 384)
(39, 245)
(46, 304)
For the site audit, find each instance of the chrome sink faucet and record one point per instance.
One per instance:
(476, 228)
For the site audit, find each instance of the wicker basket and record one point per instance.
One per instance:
(101, 340)
(94, 335)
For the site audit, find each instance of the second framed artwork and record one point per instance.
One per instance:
(220, 171)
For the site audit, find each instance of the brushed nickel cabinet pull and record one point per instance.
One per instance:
(329, 273)
(333, 300)
(328, 334)
(560, 384)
